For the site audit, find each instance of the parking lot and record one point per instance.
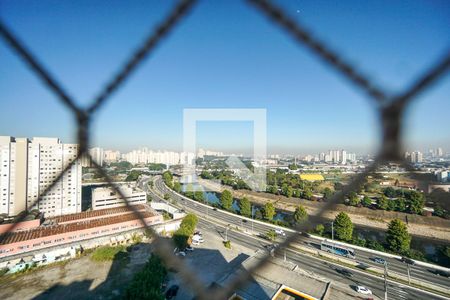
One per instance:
(210, 260)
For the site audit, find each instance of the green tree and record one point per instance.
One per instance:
(273, 189)
(245, 207)
(400, 204)
(293, 167)
(189, 192)
(389, 192)
(168, 179)
(382, 202)
(307, 193)
(189, 222)
(327, 193)
(366, 201)
(300, 215)
(269, 211)
(397, 237)
(177, 187)
(374, 244)
(133, 176)
(319, 229)
(353, 199)
(416, 202)
(226, 199)
(199, 196)
(343, 227)
(181, 237)
(439, 211)
(392, 204)
(206, 175)
(289, 192)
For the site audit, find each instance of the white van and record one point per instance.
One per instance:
(197, 238)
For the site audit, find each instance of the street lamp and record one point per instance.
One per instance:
(253, 216)
(332, 231)
(226, 232)
(385, 280)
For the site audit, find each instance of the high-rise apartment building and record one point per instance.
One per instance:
(111, 156)
(337, 156)
(29, 167)
(97, 155)
(414, 157)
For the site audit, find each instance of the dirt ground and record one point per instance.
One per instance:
(79, 278)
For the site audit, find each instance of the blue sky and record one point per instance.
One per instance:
(225, 54)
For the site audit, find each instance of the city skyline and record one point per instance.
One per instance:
(311, 136)
(309, 107)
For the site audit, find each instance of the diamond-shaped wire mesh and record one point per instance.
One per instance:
(390, 109)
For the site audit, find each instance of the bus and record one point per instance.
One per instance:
(337, 249)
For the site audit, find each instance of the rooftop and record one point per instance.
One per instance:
(95, 214)
(122, 214)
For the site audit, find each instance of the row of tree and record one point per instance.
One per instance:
(278, 183)
(398, 240)
(411, 202)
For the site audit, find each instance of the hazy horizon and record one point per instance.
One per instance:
(226, 55)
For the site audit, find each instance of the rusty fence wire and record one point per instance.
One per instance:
(390, 109)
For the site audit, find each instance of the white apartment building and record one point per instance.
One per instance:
(169, 158)
(28, 168)
(111, 156)
(337, 156)
(106, 197)
(96, 154)
(414, 157)
(442, 176)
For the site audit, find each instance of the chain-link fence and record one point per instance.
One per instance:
(390, 108)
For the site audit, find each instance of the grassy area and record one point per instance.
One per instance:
(108, 253)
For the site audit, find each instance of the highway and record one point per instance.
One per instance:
(316, 265)
(322, 268)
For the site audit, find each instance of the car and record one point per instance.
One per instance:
(344, 272)
(379, 260)
(408, 260)
(189, 248)
(197, 238)
(305, 234)
(181, 253)
(244, 221)
(363, 290)
(440, 273)
(280, 232)
(214, 209)
(172, 291)
(198, 232)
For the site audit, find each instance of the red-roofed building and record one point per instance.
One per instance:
(77, 227)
